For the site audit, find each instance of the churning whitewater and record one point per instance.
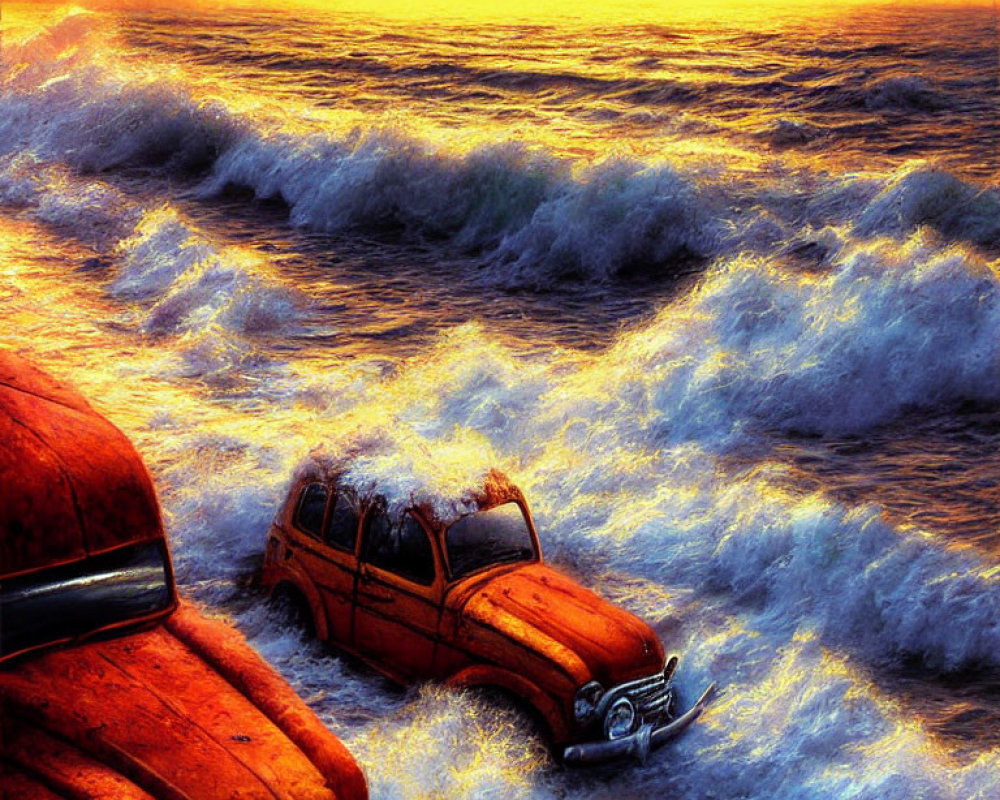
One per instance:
(719, 318)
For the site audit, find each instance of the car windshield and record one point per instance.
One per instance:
(498, 535)
(71, 600)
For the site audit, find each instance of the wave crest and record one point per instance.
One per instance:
(925, 196)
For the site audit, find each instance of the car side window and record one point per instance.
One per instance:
(401, 547)
(342, 532)
(312, 505)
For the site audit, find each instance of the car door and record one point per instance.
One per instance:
(398, 597)
(330, 519)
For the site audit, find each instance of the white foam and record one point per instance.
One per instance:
(884, 329)
(91, 211)
(186, 283)
(621, 217)
(921, 195)
(197, 284)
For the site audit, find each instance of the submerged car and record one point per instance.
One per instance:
(110, 687)
(464, 597)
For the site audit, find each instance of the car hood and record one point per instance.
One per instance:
(549, 613)
(147, 710)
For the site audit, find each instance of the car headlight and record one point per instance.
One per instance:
(586, 700)
(620, 718)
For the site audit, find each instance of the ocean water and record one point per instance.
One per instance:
(720, 292)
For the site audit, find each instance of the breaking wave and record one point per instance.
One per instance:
(522, 208)
(904, 93)
(196, 285)
(215, 297)
(532, 218)
(937, 199)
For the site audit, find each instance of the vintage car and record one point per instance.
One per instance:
(463, 597)
(110, 687)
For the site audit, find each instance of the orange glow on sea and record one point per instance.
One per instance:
(714, 283)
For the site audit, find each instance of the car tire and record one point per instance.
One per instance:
(291, 606)
(504, 707)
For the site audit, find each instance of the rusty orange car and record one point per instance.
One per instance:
(110, 686)
(465, 598)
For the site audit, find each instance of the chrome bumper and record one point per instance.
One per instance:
(638, 744)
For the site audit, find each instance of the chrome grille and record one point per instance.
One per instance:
(651, 696)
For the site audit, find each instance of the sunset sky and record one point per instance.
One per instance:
(604, 9)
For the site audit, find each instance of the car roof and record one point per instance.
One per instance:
(491, 489)
(71, 484)
(497, 488)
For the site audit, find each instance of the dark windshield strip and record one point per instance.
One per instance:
(75, 599)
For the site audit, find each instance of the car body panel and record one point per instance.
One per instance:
(294, 574)
(226, 651)
(590, 638)
(19, 785)
(396, 619)
(333, 571)
(66, 474)
(65, 768)
(332, 575)
(395, 623)
(176, 727)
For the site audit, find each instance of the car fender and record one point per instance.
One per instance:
(486, 675)
(226, 651)
(294, 576)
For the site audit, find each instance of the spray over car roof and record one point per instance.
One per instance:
(449, 482)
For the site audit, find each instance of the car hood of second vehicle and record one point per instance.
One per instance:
(551, 614)
(148, 711)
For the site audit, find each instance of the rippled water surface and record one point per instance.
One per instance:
(720, 294)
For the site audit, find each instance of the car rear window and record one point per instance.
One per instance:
(498, 535)
(72, 600)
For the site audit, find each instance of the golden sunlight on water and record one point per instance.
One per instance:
(557, 10)
(446, 245)
(58, 315)
(703, 87)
